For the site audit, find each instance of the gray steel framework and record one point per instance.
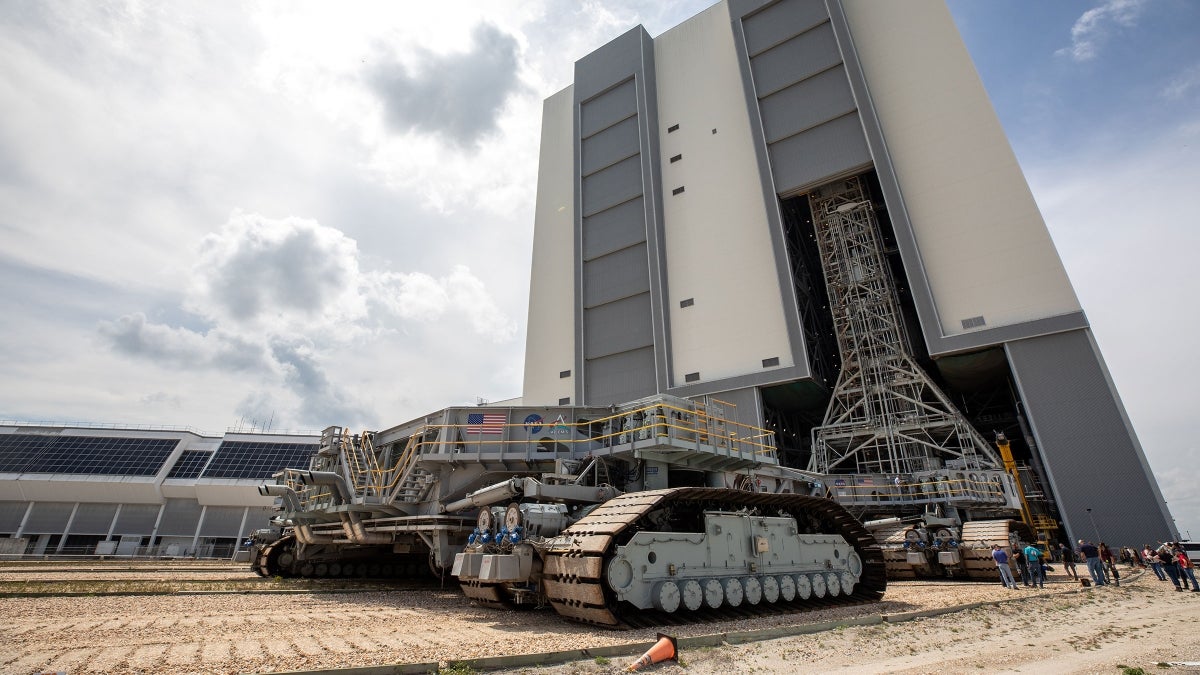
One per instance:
(886, 415)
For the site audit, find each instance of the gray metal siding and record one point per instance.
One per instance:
(11, 514)
(610, 146)
(619, 218)
(618, 326)
(615, 228)
(806, 104)
(137, 519)
(613, 185)
(48, 518)
(801, 93)
(1090, 452)
(620, 377)
(180, 517)
(799, 58)
(811, 158)
(779, 22)
(93, 518)
(222, 521)
(742, 406)
(615, 276)
(608, 108)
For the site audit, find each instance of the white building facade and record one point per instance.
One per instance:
(88, 490)
(673, 239)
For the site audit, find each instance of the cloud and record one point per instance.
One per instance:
(281, 298)
(1183, 83)
(456, 96)
(1096, 25)
(133, 335)
(420, 297)
(277, 274)
(321, 399)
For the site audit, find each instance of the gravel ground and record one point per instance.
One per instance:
(272, 632)
(1141, 627)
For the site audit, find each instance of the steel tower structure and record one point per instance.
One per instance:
(886, 415)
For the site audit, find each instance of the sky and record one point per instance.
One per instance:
(294, 214)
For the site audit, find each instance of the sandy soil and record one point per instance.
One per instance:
(1142, 624)
(1139, 624)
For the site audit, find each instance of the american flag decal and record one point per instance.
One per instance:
(485, 423)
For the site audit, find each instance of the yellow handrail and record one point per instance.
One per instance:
(655, 419)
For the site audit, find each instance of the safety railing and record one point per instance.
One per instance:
(659, 422)
(854, 489)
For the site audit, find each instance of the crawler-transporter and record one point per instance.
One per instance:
(663, 506)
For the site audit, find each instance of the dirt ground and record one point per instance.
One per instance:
(1143, 625)
(1140, 624)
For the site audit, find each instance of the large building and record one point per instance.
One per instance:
(775, 202)
(805, 209)
(84, 490)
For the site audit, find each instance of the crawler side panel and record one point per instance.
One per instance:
(575, 572)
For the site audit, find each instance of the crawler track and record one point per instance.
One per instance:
(573, 574)
(279, 558)
(977, 539)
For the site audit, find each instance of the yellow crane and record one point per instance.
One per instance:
(1042, 524)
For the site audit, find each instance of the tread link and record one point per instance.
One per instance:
(573, 573)
(979, 535)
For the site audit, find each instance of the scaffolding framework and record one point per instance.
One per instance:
(886, 415)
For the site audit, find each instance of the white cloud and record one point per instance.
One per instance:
(456, 97)
(278, 275)
(1182, 84)
(281, 296)
(1098, 24)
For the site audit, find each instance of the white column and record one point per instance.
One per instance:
(62, 540)
(199, 524)
(242, 528)
(113, 525)
(24, 520)
(157, 522)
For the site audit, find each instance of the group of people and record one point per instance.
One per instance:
(1169, 560)
(1030, 562)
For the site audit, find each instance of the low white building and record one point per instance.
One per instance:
(83, 490)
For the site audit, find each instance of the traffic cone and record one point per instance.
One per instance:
(665, 648)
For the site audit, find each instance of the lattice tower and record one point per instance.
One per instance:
(886, 415)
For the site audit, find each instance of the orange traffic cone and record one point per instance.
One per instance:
(665, 648)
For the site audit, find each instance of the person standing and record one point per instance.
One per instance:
(1187, 570)
(1091, 555)
(1033, 561)
(1068, 560)
(1110, 564)
(1001, 559)
(1022, 564)
(1169, 565)
(1152, 560)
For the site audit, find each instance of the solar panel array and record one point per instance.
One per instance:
(190, 464)
(256, 459)
(38, 453)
